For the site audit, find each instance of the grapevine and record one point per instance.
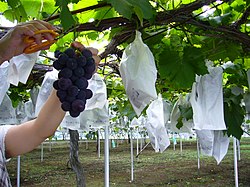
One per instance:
(75, 69)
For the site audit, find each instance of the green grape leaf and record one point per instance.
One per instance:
(218, 49)
(16, 11)
(142, 8)
(196, 59)
(233, 114)
(33, 11)
(233, 119)
(139, 14)
(3, 6)
(66, 17)
(181, 70)
(179, 122)
(123, 7)
(186, 112)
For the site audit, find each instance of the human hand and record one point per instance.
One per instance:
(12, 44)
(94, 51)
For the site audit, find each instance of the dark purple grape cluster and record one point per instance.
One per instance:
(75, 69)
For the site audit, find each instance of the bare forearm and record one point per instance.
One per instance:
(49, 117)
(23, 138)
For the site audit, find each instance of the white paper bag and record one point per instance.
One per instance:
(94, 118)
(7, 112)
(206, 141)
(155, 126)
(34, 94)
(213, 143)
(45, 90)
(29, 109)
(69, 122)
(134, 122)
(20, 67)
(221, 144)
(98, 87)
(4, 83)
(207, 101)
(21, 115)
(138, 72)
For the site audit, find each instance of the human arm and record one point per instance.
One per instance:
(23, 138)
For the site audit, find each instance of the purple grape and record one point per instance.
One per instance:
(57, 53)
(90, 69)
(72, 63)
(79, 72)
(81, 83)
(72, 91)
(82, 61)
(63, 58)
(70, 98)
(89, 93)
(73, 78)
(90, 61)
(70, 52)
(61, 94)
(74, 114)
(57, 65)
(87, 53)
(81, 95)
(78, 105)
(66, 106)
(55, 84)
(88, 75)
(65, 72)
(64, 83)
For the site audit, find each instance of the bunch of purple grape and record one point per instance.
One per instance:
(75, 69)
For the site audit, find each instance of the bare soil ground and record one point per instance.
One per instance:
(170, 168)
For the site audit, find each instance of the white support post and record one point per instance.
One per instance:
(238, 148)
(42, 152)
(106, 156)
(235, 163)
(174, 140)
(132, 155)
(180, 144)
(137, 142)
(99, 144)
(18, 170)
(198, 153)
(141, 145)
(50, 144)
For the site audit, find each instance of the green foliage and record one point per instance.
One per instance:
(223, 50)
(18, 94)
(180, 68)
(141, 8)
(91, 135)
(16, 11)
(233, 114)
(66, 17)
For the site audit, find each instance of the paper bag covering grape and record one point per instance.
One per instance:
(138, 72)
(155, 125)
(208, 113)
